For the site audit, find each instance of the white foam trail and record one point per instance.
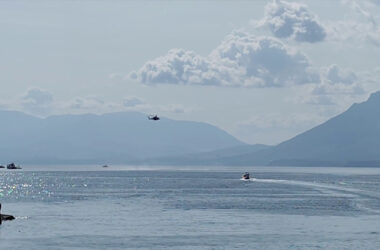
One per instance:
(22, 217)
(371, 210)
(338, 190)
(358, 192)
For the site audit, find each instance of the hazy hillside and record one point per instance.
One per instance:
(349, 139)
(215, 158)
(109, 138)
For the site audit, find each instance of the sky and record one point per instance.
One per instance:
(264, 71)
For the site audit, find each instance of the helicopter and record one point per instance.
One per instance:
(153, 117)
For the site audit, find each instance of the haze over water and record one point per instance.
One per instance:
(292, 208)
(233, 83)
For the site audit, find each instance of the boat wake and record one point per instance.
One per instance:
(330, 189)
(324, 186)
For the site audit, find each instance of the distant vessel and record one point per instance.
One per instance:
(13, 166)
(1, 166)
(245, 176)
(105, 166)
(153, 117)
(5, 216)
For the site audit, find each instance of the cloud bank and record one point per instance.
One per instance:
(293, 20)
(359, 27)
(85, 103)
(335, 81)
(241, 60)
(245, 60)
(37, 101)
(132, 101)
(42, 103)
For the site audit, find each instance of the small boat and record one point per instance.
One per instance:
(1, 166)
(13, 166)
(5, 216)
(245, 176)
(105, 166)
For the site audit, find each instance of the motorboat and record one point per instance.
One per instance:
(245, 176)
(5, 216)
(13, 166)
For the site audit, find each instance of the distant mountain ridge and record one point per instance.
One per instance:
(209, 158)
(349, 139)
(109, 138)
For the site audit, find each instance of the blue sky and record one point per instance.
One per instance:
(262, 70)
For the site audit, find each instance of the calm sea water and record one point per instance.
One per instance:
(121, 208)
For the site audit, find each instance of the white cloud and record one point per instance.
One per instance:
(292, 20)
(338, 81)
(89, 104)
(313, 99)
(116, 76)
(4, 105)
(96, 104)
(359, 27)
(335, 75)
(165, 108)
(36, 96)
(241, 60)
(173, 108)
(85, 103)
(37, 101)
(132, 101)
(177, 67)
(354, 5)
(337, 86)
(245, 60)
(357, 33)
(265, 59)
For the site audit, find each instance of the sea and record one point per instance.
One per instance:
(126, 207)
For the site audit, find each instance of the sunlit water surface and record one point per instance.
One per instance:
(125, 208)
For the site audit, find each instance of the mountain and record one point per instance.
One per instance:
(214, 158)
(349, 139)
(109, 138)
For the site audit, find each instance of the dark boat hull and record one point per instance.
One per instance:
(7, 217)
